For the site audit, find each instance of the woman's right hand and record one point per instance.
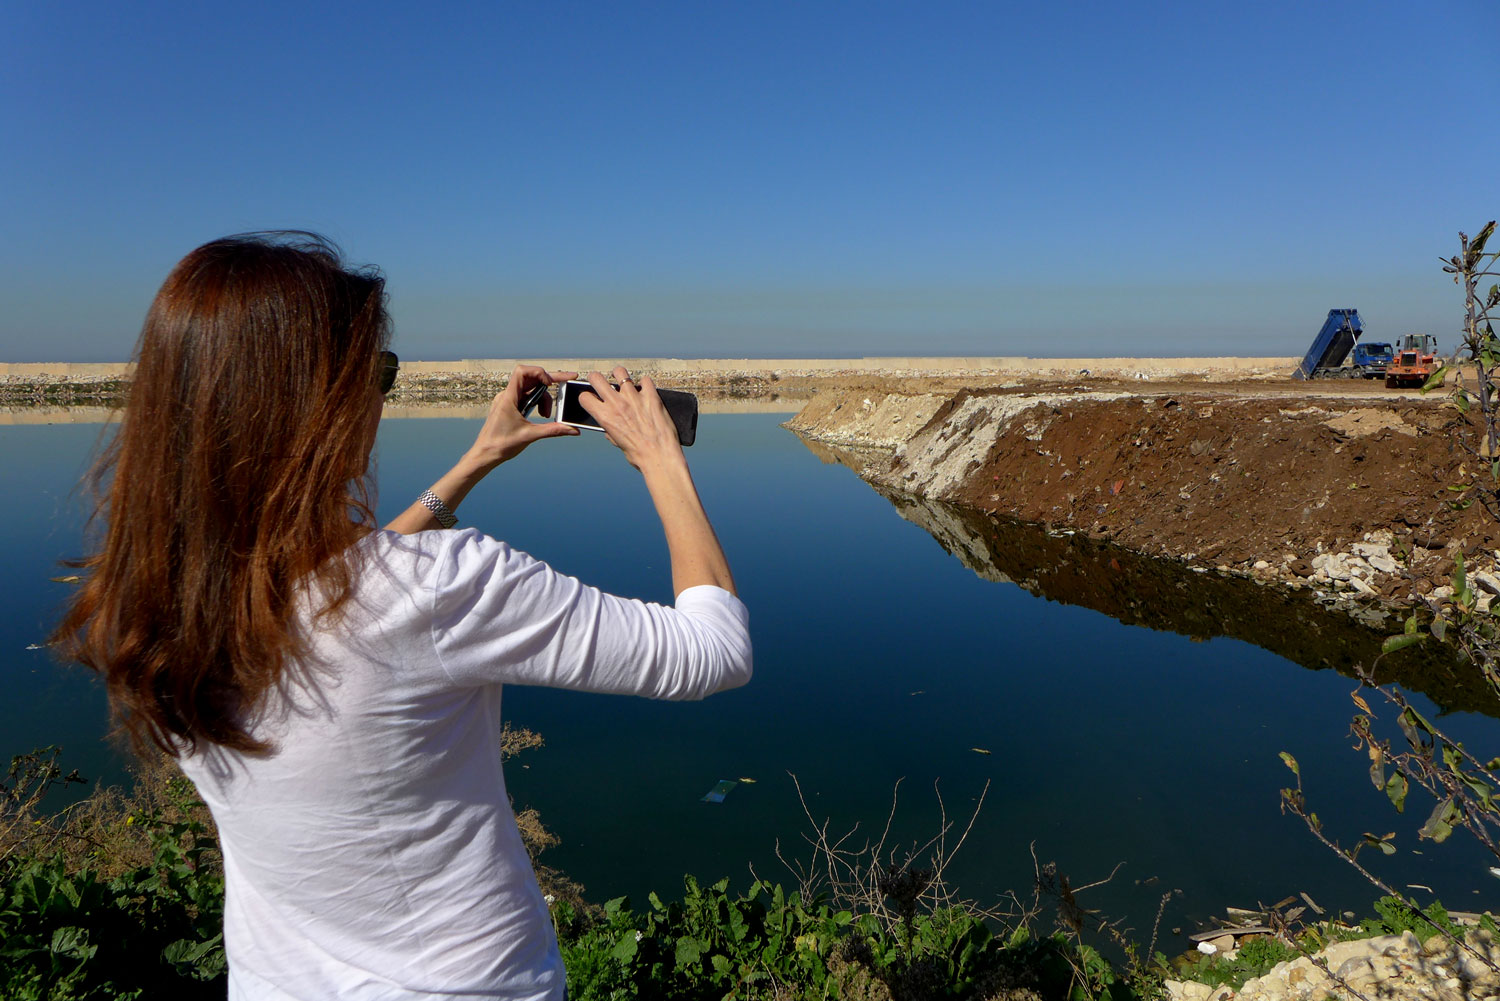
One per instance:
(633, 418)
(506, 431)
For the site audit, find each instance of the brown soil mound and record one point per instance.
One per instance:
(1232, 481)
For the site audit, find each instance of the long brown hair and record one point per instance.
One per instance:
(235, 487)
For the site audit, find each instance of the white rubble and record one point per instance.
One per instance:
(1388, 967)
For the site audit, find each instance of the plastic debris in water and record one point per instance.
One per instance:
(979, 750)
(36, 646)
(719, 791)
(1207, 948)
(746, 781)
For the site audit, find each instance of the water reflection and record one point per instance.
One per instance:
(1140, 590)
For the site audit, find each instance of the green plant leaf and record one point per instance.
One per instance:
(1417, 730)
(1435, 379)
(73, 943)
(1439, 627)
(689, 951)
(1399, 642)
(1396, 788)
(1440, 823)
(1481, 789)
(1477, 246)
(1291, 763)
(626, 948)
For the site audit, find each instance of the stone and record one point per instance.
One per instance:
(1354, 967)
(1359, 585)
(1224, 943)
(1271, 990)
(1442, 592)
(1487, 582)
(1261, 565)
(1222, 993)
(1382, 563)
(1339, 953)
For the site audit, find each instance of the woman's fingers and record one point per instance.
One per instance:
(549, 429)
(526, 377)
(601, 385)
(633, 417)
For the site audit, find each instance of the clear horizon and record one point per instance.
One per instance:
(787, 180)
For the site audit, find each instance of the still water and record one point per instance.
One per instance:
(880, 658)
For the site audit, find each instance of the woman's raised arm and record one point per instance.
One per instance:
(635, 419)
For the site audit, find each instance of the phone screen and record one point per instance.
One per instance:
(572, 410)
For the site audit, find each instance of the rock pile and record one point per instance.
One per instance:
(1389, 966)
(61, 390)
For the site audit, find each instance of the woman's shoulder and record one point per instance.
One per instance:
(437, 556)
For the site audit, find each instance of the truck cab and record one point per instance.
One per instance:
(1371, 359)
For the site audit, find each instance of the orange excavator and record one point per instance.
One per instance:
(1414, 361)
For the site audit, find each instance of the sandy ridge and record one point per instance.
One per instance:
(900, 365)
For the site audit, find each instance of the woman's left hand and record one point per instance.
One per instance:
(506, 433)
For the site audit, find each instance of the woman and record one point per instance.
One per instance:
(333, 689)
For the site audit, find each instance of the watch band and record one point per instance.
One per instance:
(432, 502)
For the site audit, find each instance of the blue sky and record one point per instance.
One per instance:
(760, 179)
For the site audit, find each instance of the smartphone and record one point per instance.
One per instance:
(681, 407)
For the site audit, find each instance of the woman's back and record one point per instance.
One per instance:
(374, 853)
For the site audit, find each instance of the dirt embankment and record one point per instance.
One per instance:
(1323, 486)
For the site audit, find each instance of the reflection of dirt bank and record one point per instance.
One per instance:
(1076, 569)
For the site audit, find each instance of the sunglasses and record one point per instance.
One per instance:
(389, 366)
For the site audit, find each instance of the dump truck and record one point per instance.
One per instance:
(1337, 353)
(1414, 362)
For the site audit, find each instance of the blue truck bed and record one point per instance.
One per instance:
(1333, 343)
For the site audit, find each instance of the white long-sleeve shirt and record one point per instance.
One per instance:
(374, 854)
